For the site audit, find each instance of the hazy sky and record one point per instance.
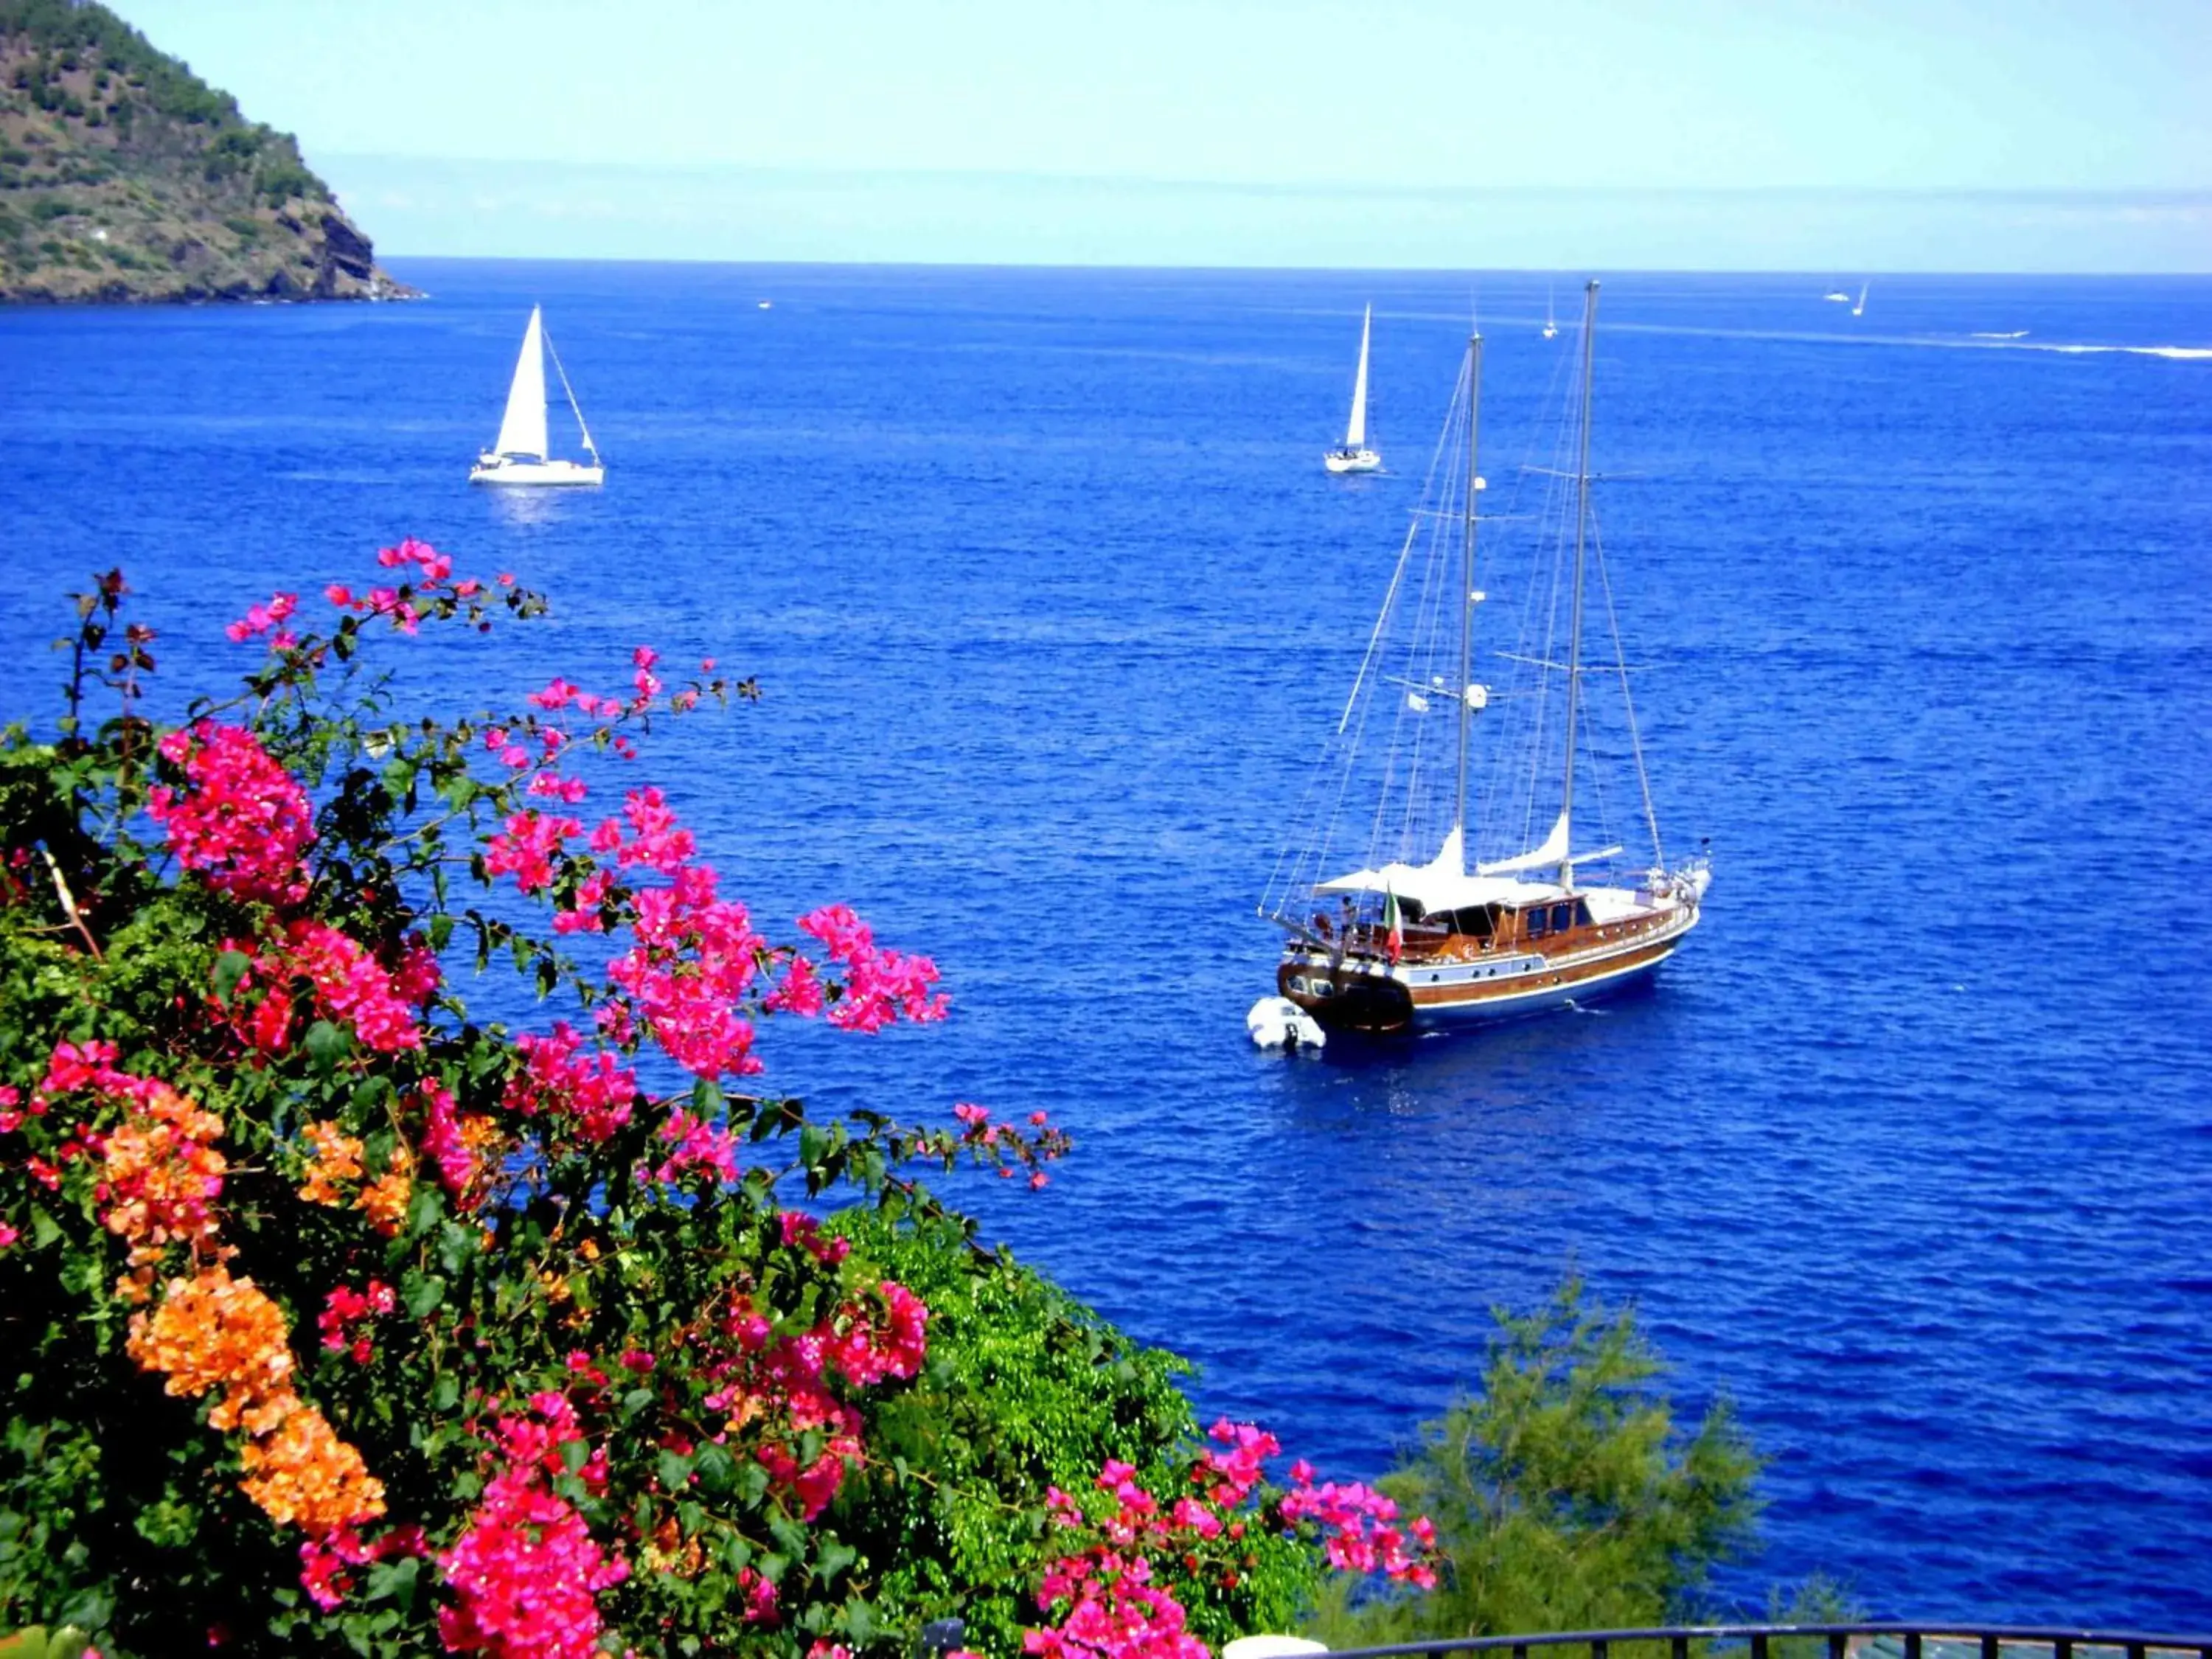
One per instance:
(2061, 134)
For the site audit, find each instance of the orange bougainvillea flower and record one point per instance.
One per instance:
(336, 1157)
(302, 1474)
(213, 1331)
(216, 1331)
(384, 1200)
(161, 1178)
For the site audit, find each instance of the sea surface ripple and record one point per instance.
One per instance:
(1909, 1153)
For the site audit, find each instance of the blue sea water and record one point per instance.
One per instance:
(1909, 1152)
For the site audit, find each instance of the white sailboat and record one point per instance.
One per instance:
(1859, 310)
(1551, 319)
(1412, 896)
(1838, 295)
(517, 455)
(1354, 455)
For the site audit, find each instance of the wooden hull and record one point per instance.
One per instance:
(1359, 990)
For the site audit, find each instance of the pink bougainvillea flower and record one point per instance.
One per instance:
(526, 1570)
(260, 618)
(240, 820)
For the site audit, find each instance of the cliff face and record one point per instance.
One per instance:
(124, 176)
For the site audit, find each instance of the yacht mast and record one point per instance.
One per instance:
(1575, 621)
(1466, 588)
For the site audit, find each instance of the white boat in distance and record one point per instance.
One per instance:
(517, 455)
(1354, 455)
(1838, 297)
(1408, 918)
(1550, 317)
(1859, 310)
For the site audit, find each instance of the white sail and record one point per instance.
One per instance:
(522, 429)
(1859, 310)
(1355, 432)
(1546, 857)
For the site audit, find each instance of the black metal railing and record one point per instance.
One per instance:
(1950, 1641)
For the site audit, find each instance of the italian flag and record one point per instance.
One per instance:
(1395, 947)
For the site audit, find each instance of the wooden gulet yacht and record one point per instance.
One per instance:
(1394, 942)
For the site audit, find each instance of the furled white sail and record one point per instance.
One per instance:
(1546, 857)
(522, 429)
(1355, 433)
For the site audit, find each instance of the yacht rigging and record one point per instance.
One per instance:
(1395, 917)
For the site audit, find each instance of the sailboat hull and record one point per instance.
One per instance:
(1352, 460)
(1361, 990)
(506, 471)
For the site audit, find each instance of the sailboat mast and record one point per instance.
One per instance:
(1467, 587)
(1575, 620)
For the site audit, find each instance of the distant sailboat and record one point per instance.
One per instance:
(1837, 296)
(517, 455)
(1550, 321)
(1859, 310)
(1355, 456)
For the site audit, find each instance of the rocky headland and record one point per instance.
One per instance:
(125, 177)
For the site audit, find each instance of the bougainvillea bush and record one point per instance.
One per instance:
(334, 1317)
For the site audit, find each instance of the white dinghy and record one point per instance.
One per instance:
(517, 455)
(1278, 1022)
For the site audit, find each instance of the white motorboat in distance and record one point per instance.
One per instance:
(519, 455)
(1354, 455)
(1395, 918)
(1551, 317)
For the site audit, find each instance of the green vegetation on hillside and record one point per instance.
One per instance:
(124, 175)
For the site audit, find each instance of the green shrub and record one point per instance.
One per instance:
(1026, 1388)
(583, 1343)
(1563, 1494)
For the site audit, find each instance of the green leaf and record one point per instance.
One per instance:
(426, 1205)
(456, 1246)
(394, 1581)
(832, 1556)
(230, 968)
(675, 1471)
(421, 1293)
(716, 1469)
(326, 1045)
(790, 1536)
(753, 1483)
